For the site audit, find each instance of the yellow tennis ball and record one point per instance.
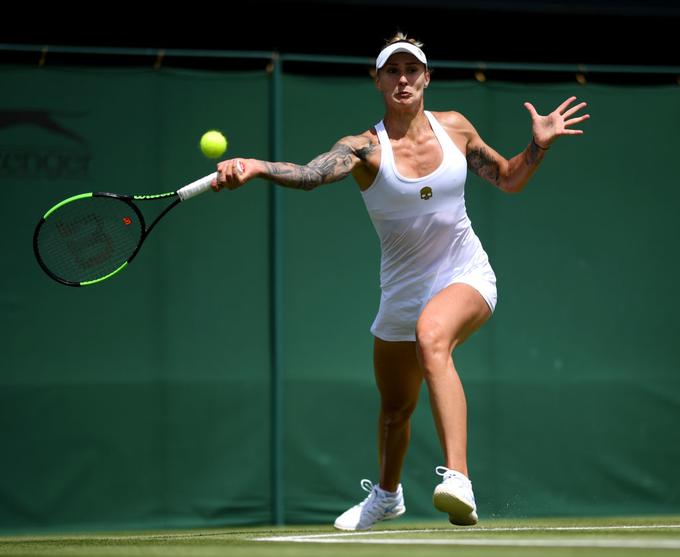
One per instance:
(213, 144)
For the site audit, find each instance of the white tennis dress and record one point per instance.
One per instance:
(426, 237)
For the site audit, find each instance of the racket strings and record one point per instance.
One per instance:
(89, 238)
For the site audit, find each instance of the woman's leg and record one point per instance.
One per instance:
(447, 320)
(398, 377)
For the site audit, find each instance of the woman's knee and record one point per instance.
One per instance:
(432, 341)
(397, 413)
(398, 401)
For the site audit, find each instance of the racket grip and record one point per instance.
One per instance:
(198, 187)
(202, 185)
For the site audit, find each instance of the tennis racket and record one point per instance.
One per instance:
(91, 237)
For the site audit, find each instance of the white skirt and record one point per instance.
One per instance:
(397, 317)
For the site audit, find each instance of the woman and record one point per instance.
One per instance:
(437, 285)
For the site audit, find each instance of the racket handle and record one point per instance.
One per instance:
(198, 187)
(201, 185)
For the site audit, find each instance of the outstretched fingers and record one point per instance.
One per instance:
(567, 131)
(565, 104)
(577, 120)
(531, 109)
(574, 109)
(546, 129)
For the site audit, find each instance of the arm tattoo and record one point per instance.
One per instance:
(534, 155)
(483, 165)
(328, 167)
(366, 150)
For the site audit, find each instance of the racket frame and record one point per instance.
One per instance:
(129, 200)
(188, 191)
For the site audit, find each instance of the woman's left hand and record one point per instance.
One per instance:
(547, 129)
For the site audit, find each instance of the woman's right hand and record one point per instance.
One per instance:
(233, 173)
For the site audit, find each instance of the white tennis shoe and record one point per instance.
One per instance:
(379, 505)
(455, 497)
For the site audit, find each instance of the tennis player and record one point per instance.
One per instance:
(438, 287)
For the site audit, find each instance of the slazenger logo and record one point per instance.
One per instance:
(70, 159)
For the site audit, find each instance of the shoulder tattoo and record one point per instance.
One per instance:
(365, 149)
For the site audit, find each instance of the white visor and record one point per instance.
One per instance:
(401, 46)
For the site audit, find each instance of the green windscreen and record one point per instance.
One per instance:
(145, 401)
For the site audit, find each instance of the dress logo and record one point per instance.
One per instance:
(426, 192)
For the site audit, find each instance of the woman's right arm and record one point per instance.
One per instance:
(328, 167)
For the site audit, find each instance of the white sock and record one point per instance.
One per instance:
(388, 493)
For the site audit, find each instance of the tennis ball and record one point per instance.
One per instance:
(213, 144)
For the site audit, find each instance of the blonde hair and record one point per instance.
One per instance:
(402, 37)
(397, 38)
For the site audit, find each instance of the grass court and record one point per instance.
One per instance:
(585, 537)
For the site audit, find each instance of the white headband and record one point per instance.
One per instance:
(401, 46)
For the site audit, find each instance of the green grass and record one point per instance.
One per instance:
(627, 537)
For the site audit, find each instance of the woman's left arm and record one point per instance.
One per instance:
(512, 175)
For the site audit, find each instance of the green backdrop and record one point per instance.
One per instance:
(146, 401)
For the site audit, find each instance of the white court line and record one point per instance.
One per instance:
(618, 543)
(579, 542)
(574, 528)
(482, 529)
